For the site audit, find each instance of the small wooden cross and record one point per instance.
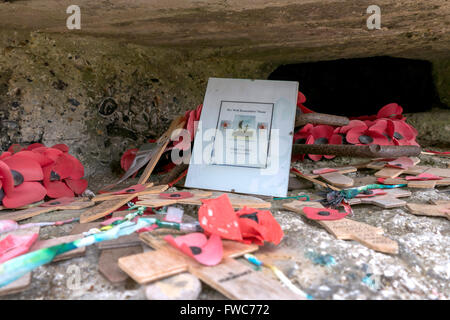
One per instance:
(388, 200)
(438, 209)
(232, 278)
(347, 229)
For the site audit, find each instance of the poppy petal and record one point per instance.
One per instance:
(26, 193)
(217, 216)
(259, 224)
(30, 169)
(354, 134)
(127, 158)
(323, 214)
(78, 186)
(61, 146)
(390, 111)
(15, 245)
(301, 98)
(58, 202)
(423, 177)
(208, 252)
(322, 131)
(34, 146)
(15, 148)
(58, 189)
(401, 163)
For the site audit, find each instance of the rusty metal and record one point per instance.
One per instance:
(320, 118)
(370, 151)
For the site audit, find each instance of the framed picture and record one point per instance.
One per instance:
(243, 141)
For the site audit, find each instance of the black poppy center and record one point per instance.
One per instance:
(130, 190)
(54, 176)
(175, 195)
(386, 135)
(365, 139)
(18, 178)
(195, 250)
(321, 141)
(398, 136)
(323, 213)
(252, 216)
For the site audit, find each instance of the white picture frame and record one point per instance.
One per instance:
(243, 141)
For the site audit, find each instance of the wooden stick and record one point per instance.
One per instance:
(301, 175)
(163, 141)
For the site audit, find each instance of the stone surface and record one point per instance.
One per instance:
(184, 286)
(133, 67)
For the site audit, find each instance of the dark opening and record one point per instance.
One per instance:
(356, 87)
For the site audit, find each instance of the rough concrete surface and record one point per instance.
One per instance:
(421, 270)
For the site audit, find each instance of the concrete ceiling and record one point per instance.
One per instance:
(282, 29)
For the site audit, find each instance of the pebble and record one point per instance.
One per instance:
(180, 287)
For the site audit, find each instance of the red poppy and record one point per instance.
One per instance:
(323, 213)
(14, 245)
(258, 226)
(404, 134)
(400, 163)
(17, 192)
(363, 135)
(33, 146)
(206, 251)
(300, 100)
(127, 158)
(64, 148)
(423, 177)
(176, 195)
(391, 111)
(131, 189)
(372, 192)
(217, 216)
(300, 137)
(15, 148)
(58, 202)
(323, 134)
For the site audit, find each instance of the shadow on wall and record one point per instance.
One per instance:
(356, 87)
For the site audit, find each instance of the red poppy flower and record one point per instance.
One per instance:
(24, 166)
(423, 177)
(33, 146)
(63, 177)
(323, 213)
(217, 216)
(15, 148)
(372, 192)
(300, 100)
(64, 148)
(400, 163)
(78, 186)
(58, 202)
(176, 195)
(13, 245)
(363, 135)
(391, 111)
(16, 191)
(206, 251)
(300, 137)
(127, 158)
(130, 190)
(404, 134)
(258, 226)
(323, 134)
